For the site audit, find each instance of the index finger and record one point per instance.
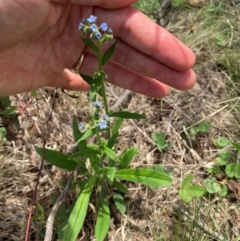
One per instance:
(140, 32)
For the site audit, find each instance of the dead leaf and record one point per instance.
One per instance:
(235, 188)
(196, 3)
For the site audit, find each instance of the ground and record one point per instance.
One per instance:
(212, 31)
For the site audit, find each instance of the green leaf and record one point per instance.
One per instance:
(122, 188)
(127, 156)
(236, 146)
(57, 158)
(223, 191)
(186, 181)
(61, 227)
(3, 134)
(86, 134)
(90, 44)
(95, 88)
(233, 170)
(195, 190)
(224, 157)
(204, 127)
(87, 79)
(230, 169)
(110, 153)
(8, 111)
(184, 195)
(159, 139)
(127, 115)
(103, 221)
(222, 142)
(119, 202)
(144, 176)
(109, 172)
(76, 132)
(5, 101)
(112, 141)
(117, 125)
(211, 185)
(79, 212)
(108, 54)
(160, 168)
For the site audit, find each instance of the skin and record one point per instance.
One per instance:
(40, 42)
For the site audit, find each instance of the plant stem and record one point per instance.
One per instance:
(103, 86)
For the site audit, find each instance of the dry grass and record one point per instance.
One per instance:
(213, 33)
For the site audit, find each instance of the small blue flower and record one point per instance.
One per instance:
(102, 124)
(97, 35)
(81, 126)
(94, 27)
(106, 117)
(104, 27)
(80, 26)
(92, 19)
(97, 104)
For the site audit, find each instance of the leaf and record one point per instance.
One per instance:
(112, 140)
(9, 111)
(159, 139)
(110, 153)
(103, 221)
(109, 172)
(236, 146)
(120, 187)
(119, 202)
(222, 142)
(144, 176)
(95, 88)
(5, 101)
(235, 188)
(195, 190)
(127, 115)
(86, 134)
(79, 212)
(211, 185)
(57, 158)
(90, 44)
(108, 54)
(117, 125)
(76, 132)
(186, 181)
(233, 170)
(127, 156)
(87, 79)
(224, 191)
(224, 157)
(204, 127)
(160, 168)
(184, 195)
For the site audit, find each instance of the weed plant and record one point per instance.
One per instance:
(102, 169)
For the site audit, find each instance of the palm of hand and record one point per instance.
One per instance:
(43, 45)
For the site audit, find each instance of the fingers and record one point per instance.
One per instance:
(70, 81)
(145, 65)
(111, 4)
(140, 32)
(126, 78)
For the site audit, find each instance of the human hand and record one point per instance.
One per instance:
(40, 42)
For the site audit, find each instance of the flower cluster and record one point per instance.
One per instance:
(103, 123)
(89, 27)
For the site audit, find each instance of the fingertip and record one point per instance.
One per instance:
(71, 81)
